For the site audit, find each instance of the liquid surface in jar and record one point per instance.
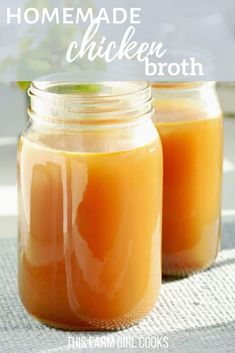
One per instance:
(90, 235)
(192, 160)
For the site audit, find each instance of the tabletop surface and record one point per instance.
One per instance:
(196, 314)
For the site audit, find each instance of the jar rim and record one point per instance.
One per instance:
(183, 85)
(58, 85)
(63, 98)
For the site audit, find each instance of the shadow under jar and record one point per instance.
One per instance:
(90, 204)
(189, 120)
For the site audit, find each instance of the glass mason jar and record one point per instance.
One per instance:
(90, 204)
(189, 120)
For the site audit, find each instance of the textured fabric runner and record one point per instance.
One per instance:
(195, 314)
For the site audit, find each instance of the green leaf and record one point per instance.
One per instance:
(24, 85)
(77, 88)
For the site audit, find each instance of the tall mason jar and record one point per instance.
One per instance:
(189, 120)
(90, 204)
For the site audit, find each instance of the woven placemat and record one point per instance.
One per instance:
(195, 314)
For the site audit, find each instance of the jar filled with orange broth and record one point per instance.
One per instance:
(90, 204)
(189, 121)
